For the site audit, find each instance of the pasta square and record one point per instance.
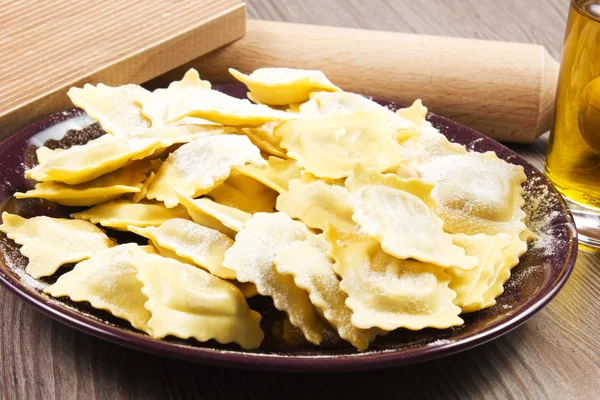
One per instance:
(510, 258)
(171, 135)
(262, 137)
(188, 302)
(244, 193)
(100, 156)
(282, 86)
(154, 106)
(43, 153)
(195, 243)
(316, 203)
(120, 214)
(331, 103)
(50, 243)
(248, 289)
(395, 212)
(199, 166)
(277, 175)
(204, 211)
(335, 103)
(416, 113)
(307, 261)
(222, 109)
(477, 193)
(389, 293)
(470, 286)
(252, 258)
(330, 146)
(113, 107)
(431, 144)
(102, 189)
(107, 280)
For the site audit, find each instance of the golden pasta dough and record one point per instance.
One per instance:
(188, 302)
(107, 280)
(199, 166)
(330, 146)
(120, 214)
(282, 86)
(354, 218)
(50, 243)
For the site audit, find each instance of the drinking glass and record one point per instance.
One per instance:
(573, 159)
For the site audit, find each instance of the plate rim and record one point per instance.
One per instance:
(240, 359)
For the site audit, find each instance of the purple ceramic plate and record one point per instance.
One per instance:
(534, 282)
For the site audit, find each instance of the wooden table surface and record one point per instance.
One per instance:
(556, 355)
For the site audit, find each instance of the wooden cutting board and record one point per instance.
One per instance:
(48, 46)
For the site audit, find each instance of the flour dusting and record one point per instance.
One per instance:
(439, 342)
(16, 263)
(540, 206)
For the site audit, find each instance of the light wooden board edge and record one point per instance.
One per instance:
(137, 68)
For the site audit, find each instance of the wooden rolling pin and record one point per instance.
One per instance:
(505, 90)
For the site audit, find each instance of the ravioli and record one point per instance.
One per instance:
(155, 105)
(252, 257)
(430, 145)
(102, 189)
(171, 135)
(204, 211)
(195, 243)
(199, 166)
(248, 289)
(107, 280)
(389, 293)
(113, 107)
(220, 108)
(470, 286)
(44, 153)
(262, 137)
(150, 249)
(49, 243)
(188, 302)
(295, 107)
(120, 214)
(141, 194)
(416, 113)
(330, 146)
(244, 193)
(421, 149)
(276, 175)
(396, 213)
(510, 258)
(330, 103)
(477, 193)
(155, 165)
(100, 156)
(316, 202)
(282, 86)
(335, 103)
(308, 263)
(351, 216)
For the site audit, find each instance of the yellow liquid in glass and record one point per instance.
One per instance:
(573, 159)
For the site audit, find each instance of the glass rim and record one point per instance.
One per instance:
(577, 5)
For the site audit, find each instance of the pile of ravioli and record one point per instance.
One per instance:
(347, 214)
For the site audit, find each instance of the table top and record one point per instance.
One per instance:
(554, 355)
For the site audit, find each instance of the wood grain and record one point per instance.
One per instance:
(119, 42)
(553, 356)
(475, 82)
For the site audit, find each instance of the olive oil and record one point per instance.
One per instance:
(573, 159)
